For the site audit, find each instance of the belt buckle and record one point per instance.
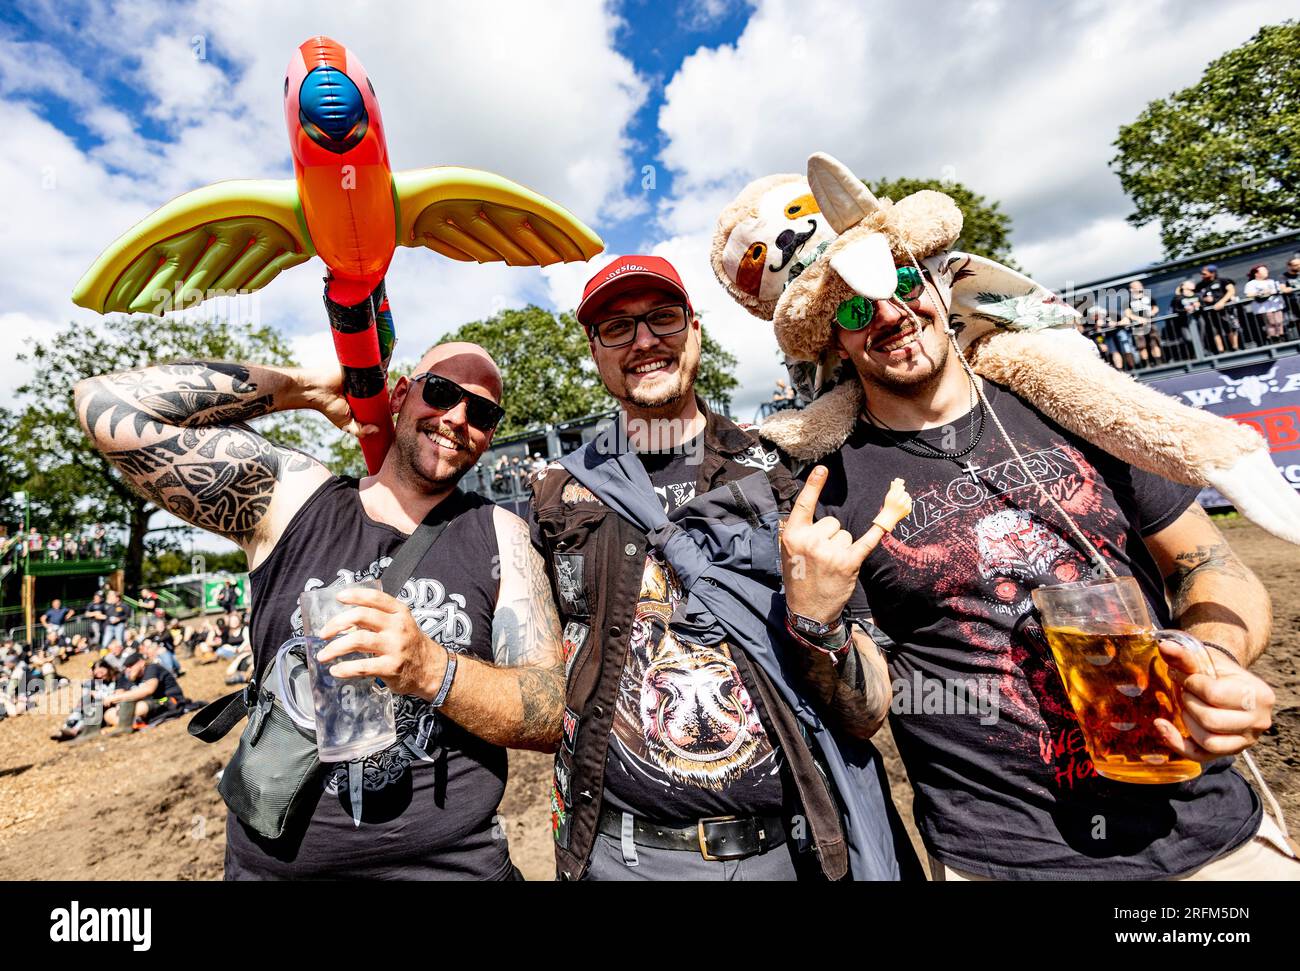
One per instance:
(704, 845)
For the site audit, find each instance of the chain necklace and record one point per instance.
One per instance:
(919, 447)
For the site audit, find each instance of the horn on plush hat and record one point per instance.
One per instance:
(843, 198)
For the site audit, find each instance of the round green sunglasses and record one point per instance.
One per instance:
(857, 312)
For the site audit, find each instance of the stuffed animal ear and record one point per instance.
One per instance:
(843, 198)
(867, 265)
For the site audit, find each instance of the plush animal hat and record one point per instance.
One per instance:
(1011, 331)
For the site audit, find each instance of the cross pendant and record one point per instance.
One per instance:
(971, 469)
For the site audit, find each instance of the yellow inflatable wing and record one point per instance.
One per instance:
(223, 238)
(476, 216)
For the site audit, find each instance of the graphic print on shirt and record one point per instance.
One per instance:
(982, 555)
(683, 714)
(441, 615)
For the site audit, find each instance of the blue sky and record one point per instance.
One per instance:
(112, 107)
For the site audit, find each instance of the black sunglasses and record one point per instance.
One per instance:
(445, 394)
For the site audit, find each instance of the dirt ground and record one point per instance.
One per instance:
(67, 812)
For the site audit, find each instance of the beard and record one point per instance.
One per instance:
(660, 398)
(406, 444)
(913, 381)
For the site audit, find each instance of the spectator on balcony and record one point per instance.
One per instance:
(35, 543)
(69, 546)
(1140, 314)
(1291, 276)
(1184, 306)
(56, 615)
(1117, 341)
(1215, 293)
(116, 616)
(1265, 305)
(97, 541)
(53, 546)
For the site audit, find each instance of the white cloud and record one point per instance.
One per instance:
(535, 92)
(1018, 100)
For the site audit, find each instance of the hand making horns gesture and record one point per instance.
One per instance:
(820, 560)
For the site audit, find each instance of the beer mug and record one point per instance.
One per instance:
(1107, 653)
(353, 717)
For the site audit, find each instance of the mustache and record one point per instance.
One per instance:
(445, 432)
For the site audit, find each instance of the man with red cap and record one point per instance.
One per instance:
(681, 756)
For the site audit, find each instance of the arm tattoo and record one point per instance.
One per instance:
(541, 694)
(848, 692)
(526, 630)
(1207, 559)
(189, 453)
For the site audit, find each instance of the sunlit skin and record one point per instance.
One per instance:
(665, 397)
(919, 386)
(432, 449)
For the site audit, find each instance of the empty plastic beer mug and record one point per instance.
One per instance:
(353, 717)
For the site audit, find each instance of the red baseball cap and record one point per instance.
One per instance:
(629, 273)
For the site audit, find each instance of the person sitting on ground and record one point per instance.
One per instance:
(89, 715)
(153, 688)
(214, 637)
(159, 651)
(113, 654)
(57, 647)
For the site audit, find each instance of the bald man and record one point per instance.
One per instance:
(470, 646)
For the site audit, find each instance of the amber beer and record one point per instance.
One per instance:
(1118, 683)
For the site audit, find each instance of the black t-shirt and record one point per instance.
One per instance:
(430, 801)
(1006, 789)
(115, 613)
(1211, 292)
(168, 686)
(687, 739)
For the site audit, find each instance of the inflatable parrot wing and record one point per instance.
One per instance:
(344, 205)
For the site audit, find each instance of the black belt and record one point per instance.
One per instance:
(714, 837)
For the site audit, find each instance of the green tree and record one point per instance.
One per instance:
(985, 228)
(548, 373)
(1222, 157)
(69, 482)
(545, 366)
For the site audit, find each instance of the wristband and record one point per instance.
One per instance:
(835, 653)
(1223, 650)
(447, 677)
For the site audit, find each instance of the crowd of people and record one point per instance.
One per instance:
(135, 659)
(88, 543)
(511, 473)
(1132, 332)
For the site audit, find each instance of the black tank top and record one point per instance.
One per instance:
(420, 819)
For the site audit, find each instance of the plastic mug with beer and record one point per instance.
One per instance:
(1107, 652)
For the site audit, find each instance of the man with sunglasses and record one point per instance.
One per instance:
(681, 758)
(469, 647)
(1007, 790)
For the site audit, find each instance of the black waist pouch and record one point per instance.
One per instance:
(275, 766)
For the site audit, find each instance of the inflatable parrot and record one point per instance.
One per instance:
(346, 206)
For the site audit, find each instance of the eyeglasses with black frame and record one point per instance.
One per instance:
(444, 394)
(662, 322)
